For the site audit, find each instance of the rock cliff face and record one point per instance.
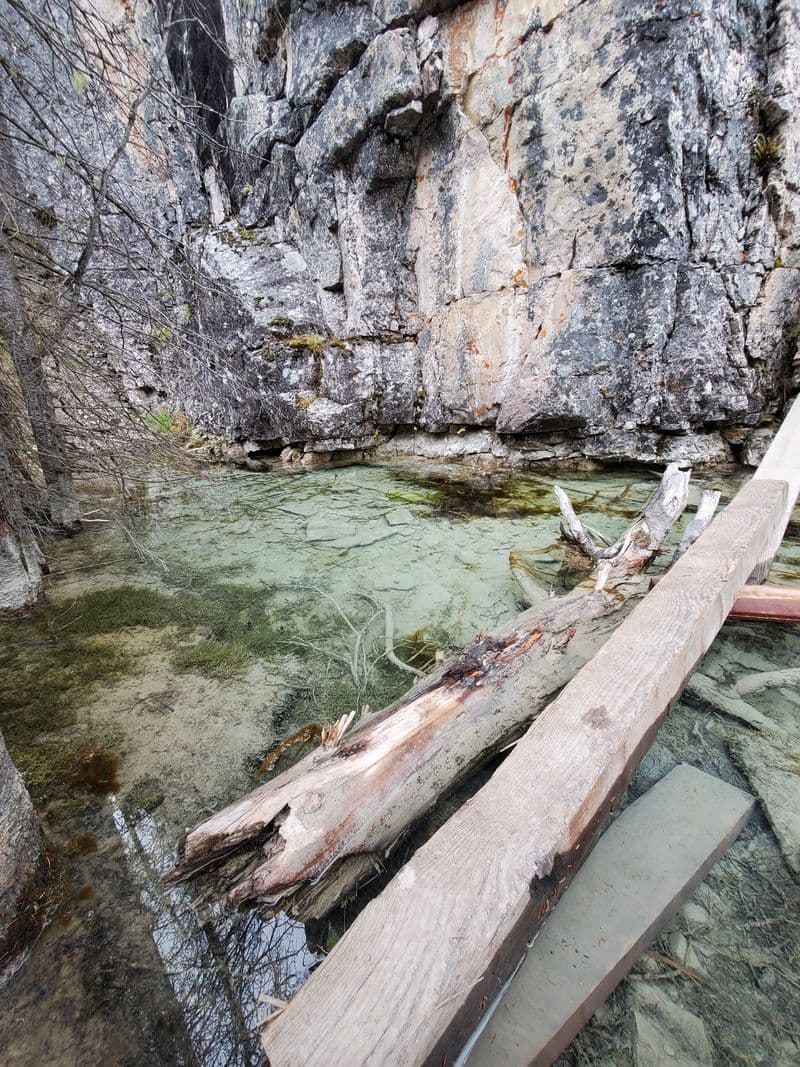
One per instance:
(539, 229)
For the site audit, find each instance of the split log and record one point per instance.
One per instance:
(277, 843)
(408, 981)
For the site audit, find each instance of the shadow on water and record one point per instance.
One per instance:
(502, 495)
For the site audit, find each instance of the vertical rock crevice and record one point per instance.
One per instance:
(567, 228)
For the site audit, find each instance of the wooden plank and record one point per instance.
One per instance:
(781, 464)
(643, 868)
(769, 603)
(412, 976)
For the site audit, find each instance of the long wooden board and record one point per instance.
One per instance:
(412, 976)
(765, 603)
(781, 464)
(642, 869)
(769, 603)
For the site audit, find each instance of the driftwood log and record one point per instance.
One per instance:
(301, 840)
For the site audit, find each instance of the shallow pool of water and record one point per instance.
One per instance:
(170, 656)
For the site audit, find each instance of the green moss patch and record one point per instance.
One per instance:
(41, 678)
(212, 658)
(108, 610)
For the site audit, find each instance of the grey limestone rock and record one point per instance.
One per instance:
(386, 77)
(665, 1033)
(402, 121)
(546, 224)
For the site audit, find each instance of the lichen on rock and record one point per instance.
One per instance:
(577, 222)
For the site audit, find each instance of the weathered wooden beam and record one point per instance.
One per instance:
(643, 868)
(770, 603)
(765, 603)
(780, 464)
(412, 976)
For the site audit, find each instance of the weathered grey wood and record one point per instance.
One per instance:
(781, 464)
(705, 689)
(357, 797)
(643, 868)
(411, 977)
(764, 603)
(755, 683)
(21, 852)
(703, 516)
(532, 592)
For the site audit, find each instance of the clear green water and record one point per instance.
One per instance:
(148, 688)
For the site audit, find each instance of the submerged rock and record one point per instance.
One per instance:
(774, 774)
(665, 1033)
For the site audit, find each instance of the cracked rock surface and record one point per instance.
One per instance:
(542, 222)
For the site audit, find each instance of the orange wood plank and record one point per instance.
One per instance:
(772, 603)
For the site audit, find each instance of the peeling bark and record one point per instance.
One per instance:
(20, 557)
(28, 361)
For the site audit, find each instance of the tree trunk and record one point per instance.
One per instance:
(358, 795)
(26, 355)
(20, 853)
(20, 557)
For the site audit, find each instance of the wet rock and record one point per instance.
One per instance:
(684, 951)
(440, 446)
(773, 774)
(755, 446)
(312, 460)
(399, 517)
(341, 534)
(665, 1033)
(695, 914)
(328, 528)
(290, 455)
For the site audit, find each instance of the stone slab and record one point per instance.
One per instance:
(773, 772)
(665, 1033)
(640, 872)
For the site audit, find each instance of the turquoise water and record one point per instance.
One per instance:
(173, 653)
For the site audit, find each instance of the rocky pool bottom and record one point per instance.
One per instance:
(176, 649)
